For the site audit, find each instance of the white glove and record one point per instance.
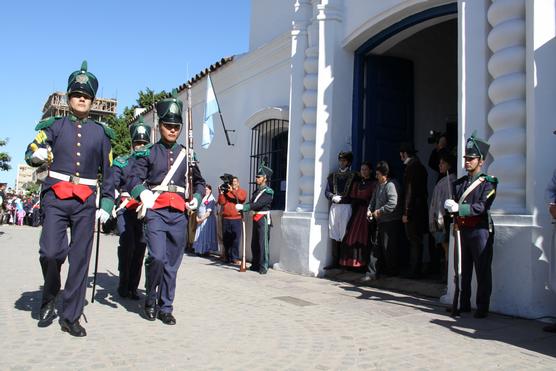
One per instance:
(40, 154)
(147, 198)
(102, 215)
(239, 207)
(451, 205)
(193, 204)
(336, 199)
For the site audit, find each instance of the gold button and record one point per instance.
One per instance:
(77, 174)
(79, 135)
(78, 154)
(78, 163)
(78, 144)
(79, 126)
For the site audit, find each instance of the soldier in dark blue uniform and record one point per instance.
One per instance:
(131, 250)
(260, 203)
(75, 148)
(163, 198)
(473, 197)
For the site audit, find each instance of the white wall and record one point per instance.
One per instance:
(269, 19)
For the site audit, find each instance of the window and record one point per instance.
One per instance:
(269, 143)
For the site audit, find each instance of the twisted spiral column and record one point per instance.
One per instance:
(507, 118)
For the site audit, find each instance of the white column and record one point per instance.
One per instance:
(507, 118)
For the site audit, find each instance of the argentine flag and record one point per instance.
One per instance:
(210, 109)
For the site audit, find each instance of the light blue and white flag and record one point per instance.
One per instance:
(210, 109)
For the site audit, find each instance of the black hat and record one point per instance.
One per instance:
(408, 148)
(140, 132)
(82, 81)
(169, 109)
(476, 147)
(264, 170)
(346, 155)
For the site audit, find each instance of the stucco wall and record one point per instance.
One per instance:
(269, 19)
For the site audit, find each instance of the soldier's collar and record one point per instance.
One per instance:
(74, 118)
(169, 146)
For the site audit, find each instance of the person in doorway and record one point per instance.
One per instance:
(474, 194)
(260, 204)
(415, 208)
(355, 248)
(338, 189)
(75, 148)
(231, 219)
(385, 209)
(163, 198)
(205, 235)
(132, 245)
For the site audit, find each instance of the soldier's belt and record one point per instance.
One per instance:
(169, 188)
(125, 194)
(72, 178)
(261, 212)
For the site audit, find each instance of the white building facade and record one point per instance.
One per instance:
(365, 75)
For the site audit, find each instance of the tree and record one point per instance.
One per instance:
(122, 143)
(31, 188)
(4, 157)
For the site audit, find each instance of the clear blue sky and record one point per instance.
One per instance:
(129, 46)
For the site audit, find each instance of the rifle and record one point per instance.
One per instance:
(243, 267)
(96, 262)
(457, 255)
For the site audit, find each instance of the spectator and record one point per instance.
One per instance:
(385, 209)
(440, 147)
(355, 249)
(231, 219)
(439, 220)
(205, 235)
(415, 207)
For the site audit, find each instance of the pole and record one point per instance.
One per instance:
(220, 113)
(243, 267)
(96, 262)
(457, 254)
(189, 146)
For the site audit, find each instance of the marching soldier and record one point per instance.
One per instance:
(159, 182)
(75, 148)
(338, 189)
(260, 204)
(473, 197)
(131, 249)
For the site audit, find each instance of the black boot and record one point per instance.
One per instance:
(150, 312)
(47, 314)
(167, 318)
(72, 328)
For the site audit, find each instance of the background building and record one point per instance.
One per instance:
(57, 105)
(24, 176)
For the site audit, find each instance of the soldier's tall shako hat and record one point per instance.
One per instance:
(264, 170)
(140, 132)
(476, 147)
(169, 109)
(82, 81)
(346, 155)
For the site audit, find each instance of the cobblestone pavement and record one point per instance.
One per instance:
(244, 321)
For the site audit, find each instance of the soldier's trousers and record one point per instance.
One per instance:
(58, 215)
(166, 233)
(131, 250)
(260, 248)
(476, 252)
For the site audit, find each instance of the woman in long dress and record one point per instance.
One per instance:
(205, 234)
(355, 248)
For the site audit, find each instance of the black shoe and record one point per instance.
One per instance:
(124, 293)
(47, 314)
(549, 328)
(263, 271)
(133, 295)
(166, 318)
(461, 309)
(480, 314)
(73, 328)
(332, 266)
(150, 312)
(253, 268)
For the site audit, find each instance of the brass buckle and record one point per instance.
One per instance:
(173, 188)
(74, 179)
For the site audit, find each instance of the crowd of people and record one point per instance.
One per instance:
(19, 209)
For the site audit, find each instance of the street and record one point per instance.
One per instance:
(228, 320)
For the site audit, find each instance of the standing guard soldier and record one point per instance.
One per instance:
(131, 250)
(338, 189)
(75, 148)
(473, 197)
(159, 181)
(260, 204)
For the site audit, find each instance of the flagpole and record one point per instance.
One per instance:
(190, 157)
(220, 113)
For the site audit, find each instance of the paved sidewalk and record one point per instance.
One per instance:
(244, 321)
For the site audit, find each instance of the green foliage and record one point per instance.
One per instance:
(31, 188)
(121, 145)
(4, 157)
